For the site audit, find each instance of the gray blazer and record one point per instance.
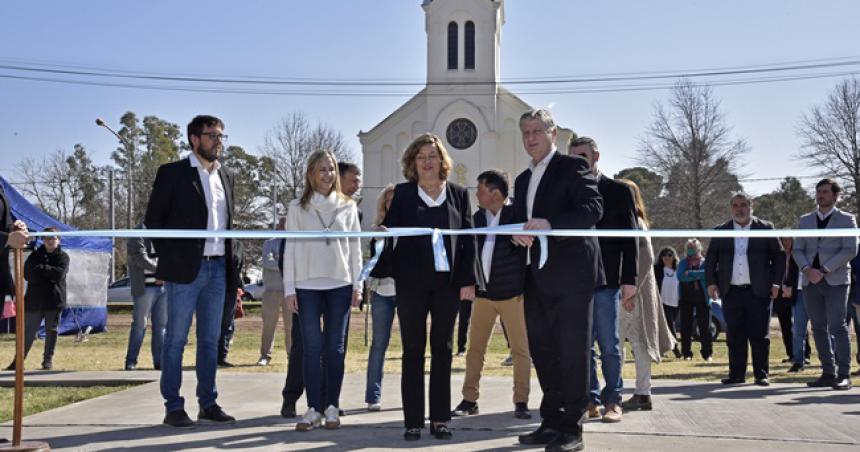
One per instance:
(834, 253)
(140, 263)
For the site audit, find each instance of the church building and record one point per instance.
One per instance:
(462, 102)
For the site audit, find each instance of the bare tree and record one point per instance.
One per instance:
(831, 136)
(690, 145)
(289, 144)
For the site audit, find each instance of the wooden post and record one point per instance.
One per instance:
(19, 347)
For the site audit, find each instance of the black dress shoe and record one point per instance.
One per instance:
(762, 382)
(288, 409)
(11, 366)
(796, 367)
(638, 402)
(214, 414)
(440, 430)
(824, 381)
(543, 435)
(842, 383)
(732, 381)
(465, 408)
(564, 442)
(47, 365)
(412, 434)
(521, 411)
(225, 363)
(178, 418)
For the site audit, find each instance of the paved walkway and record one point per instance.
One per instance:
(687, 416)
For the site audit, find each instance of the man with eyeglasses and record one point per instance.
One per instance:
(193, 193)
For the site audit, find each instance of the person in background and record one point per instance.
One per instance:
(150, 300)
(643, 321)
(274, 302)
(694, 304)
(854, 308)
(792, 290)
(232, 298)
(666, 276)
(321, 282)
(383, 308)
(45, 272)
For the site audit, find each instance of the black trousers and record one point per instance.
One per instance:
(782, 308)
(747, 322)
(436, 296)
(559, 333)
(463, 325)
(32, 321)
(695, 308)
(671, 318)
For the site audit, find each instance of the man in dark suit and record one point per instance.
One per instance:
(193, 193)
(558, 192)
(747, 273)
(620, 260)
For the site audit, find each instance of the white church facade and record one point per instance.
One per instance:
(462, 102)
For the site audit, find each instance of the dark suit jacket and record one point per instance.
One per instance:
(7, 285)
(398, 262)
(620, 255)
(765, 255)
(177, 202)
(568, 198)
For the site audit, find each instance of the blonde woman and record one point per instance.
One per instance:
(382, 310)
(321, 281)
(643, 321)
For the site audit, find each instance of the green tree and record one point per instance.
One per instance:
(785, 205)
(649, 182)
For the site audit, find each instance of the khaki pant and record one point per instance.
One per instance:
(484, 314)
(274, 304)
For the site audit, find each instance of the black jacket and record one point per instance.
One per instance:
(568, 198)
(7, 284)
(46, 279)
(178, 202)
(508, 272)
(398, 262)
(620, 255)
(765, 255)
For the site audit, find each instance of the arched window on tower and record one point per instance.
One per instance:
(469, 53)
(452, 45)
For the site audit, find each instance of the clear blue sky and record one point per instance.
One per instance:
(385, 39)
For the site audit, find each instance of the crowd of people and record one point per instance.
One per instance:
(568, 316)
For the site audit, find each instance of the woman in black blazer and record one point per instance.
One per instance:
(428, 200)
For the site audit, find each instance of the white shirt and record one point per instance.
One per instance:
(489, 243)
(216, 204)
(443, 196)
(741, 266)
(822, 216)
(534, 180)
(669, 287)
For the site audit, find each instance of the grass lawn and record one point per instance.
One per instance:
(106, 351)
(38, 399)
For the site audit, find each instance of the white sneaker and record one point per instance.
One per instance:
(374, 407)
(263, 361)
(309, 421)
(332, 417)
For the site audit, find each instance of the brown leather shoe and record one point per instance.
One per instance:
(612, 413)
(592, 411)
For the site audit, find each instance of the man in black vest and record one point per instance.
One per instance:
(500, 276)
(193, 193)
(747, 273)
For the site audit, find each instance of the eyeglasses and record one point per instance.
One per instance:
(213, 136)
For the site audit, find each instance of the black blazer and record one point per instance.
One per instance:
(177, 202)
(7, 284)
(765, 255)
(398, 262)
(620, 255)
(507, 276)
(568, 198)
(46, 279)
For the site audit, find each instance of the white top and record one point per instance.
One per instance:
(216, 204)
(443, 196)
(321, 264)
(669, 288)
(534, 181)
(489, 243)
(741, 265)
(385, 287)
(822, 216)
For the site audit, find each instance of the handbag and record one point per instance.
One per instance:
(8, 308)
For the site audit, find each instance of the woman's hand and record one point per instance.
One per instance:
(292, 303)
(628, 305)
(356, 298)
(467, 293)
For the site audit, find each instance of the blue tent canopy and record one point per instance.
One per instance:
(37, 220)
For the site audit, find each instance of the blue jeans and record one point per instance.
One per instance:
(205, 297)
(382, 311)
(826, 306)
(151, 305)
(333, 306)
(605, 332)
(799, 323)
